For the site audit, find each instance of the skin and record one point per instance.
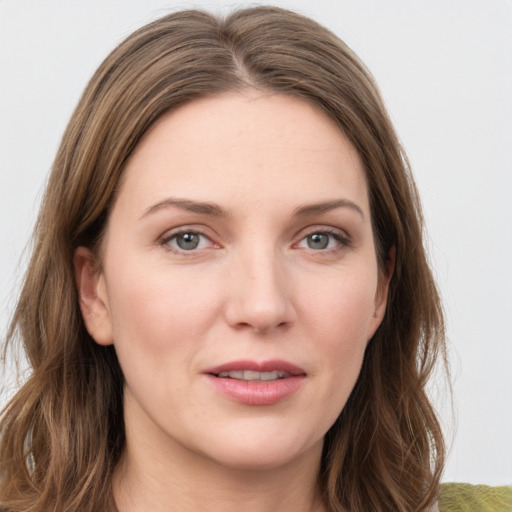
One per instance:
(256, 287)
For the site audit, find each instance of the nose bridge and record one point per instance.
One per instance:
(259, 288)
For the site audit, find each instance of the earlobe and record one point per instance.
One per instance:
(93, 296)
(381, 296)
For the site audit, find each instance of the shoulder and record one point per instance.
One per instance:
(455, 497)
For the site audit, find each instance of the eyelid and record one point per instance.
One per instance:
(164, 240)
(343, 238)
(340, 235)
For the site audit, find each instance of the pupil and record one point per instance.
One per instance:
(188, 241)
(318, 241)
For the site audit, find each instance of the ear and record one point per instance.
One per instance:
(93, 297)
(381, 296)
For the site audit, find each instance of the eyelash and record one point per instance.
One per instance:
(168, 237)
(342, 241)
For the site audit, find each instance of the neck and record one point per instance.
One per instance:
(218, 489)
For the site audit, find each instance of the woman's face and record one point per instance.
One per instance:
(239, 280)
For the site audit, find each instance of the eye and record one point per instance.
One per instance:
(187, 241)
(323, 240)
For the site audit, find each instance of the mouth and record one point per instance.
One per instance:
(254, 383)
(256, 371)
(250, 375)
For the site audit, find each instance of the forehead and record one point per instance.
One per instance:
(250, 147)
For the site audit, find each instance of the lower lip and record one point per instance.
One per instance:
(257, 392)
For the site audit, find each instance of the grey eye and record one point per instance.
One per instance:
(181, 242)
(187, 241)
(318, 241)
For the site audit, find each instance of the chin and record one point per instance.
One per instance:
(253, 462)
(259, 452)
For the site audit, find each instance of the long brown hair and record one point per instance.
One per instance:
(63, 432)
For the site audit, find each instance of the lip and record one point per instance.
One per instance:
(257, 392)
(255, 366)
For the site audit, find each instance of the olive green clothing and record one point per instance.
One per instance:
(474, 498)
(461, 498)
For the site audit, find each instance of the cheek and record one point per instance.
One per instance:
(158, 317)
(160, 321)
(343, 308)
(340, 318)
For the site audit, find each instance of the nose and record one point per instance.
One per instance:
(259, 293)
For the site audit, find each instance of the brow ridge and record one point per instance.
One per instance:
(200, 207)
(206, 208)
(327, 206)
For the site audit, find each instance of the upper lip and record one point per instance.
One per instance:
(257, 366)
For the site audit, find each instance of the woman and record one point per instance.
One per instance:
(228, 302)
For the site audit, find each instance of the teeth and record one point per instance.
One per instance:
(232, 375)
(251, 375)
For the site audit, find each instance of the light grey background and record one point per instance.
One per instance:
(445, 71)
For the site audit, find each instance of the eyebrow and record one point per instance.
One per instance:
(215, 210)
(327, 206)
(188, 205)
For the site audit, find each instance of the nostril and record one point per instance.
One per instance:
(259, 300)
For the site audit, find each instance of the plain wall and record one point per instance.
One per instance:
(444, 68)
